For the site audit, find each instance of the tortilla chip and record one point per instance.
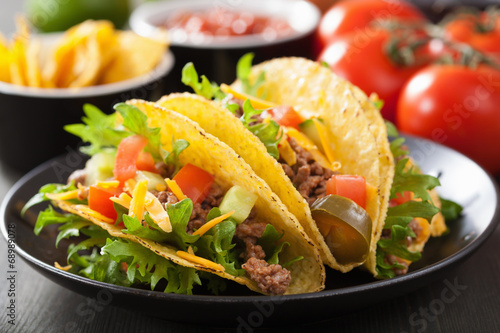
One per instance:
(33, 71)
(137, 56)
(91, 42)
(18, 61)
(4, 59)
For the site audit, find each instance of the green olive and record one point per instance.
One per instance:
(346, 226)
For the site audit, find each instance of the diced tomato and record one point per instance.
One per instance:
(349, 186)
(128, 152)
(286, 116)
(400, 199)
(146, 162)
(194, 182)
(99, 200)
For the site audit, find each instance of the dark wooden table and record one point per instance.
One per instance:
(466, 299)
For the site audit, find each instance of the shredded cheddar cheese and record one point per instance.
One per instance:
(201, 261)
(64, 195)
(86, 209)
(286, 151)
(257, 103)
(210, 224)
(124, 199)
(138, 198)
(63, 268)
(160, 187)
(176, 190)
(157, 212)
(108, 184)
(325, 142)
(130, 185)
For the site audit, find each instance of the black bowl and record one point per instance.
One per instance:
(217, 58)
(32, 119)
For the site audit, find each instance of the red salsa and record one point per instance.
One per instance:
(219, 22)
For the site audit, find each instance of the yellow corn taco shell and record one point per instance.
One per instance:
(305, 85)
(355, 147)
(215, 157)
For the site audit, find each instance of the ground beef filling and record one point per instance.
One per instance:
(78, 177)
(272, 279)
(392, 259)
(307, 175)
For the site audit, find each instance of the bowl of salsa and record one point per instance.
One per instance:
(214, 35)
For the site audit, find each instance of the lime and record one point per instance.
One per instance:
(49, 16)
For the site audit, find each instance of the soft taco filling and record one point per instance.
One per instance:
(183, 206)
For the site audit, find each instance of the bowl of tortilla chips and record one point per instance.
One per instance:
(216, 35)
(46, 79)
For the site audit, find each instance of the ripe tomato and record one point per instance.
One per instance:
(128, 152)
(349, 186)
(481, 31)
(194, 182)
(362, 59)
(100, 202)
(286, 116)
(457, 106)
(349, 15)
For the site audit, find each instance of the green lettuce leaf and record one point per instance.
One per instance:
(51, 216)
(172, 158)
(450, 209)
(266, 132)
(49, 188)
(148, 267)
(136, 122)
(97, 130)
(134, 227)
(201, 86)
(216, 244)
(179, 214)
(399, 217)
(412, 181)
(243, 69)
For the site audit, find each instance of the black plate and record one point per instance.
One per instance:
(462, 181)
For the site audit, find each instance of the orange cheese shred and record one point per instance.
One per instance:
(210, 224)
(257, 103)
(176, 190)
(201, 261)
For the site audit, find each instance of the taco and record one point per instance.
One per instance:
(316, 140)
(169, 202)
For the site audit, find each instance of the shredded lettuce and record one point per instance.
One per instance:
(398, 217)
(243, 69)
(97, 130)
(172, 158)
(136, 122)
(147, 267)
(48, 188)
(268, 133)
(450, 209)
(106, 265)
(201, 86)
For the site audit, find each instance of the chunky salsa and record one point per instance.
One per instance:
(220, 22)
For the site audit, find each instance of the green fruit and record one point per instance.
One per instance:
(60, 15)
